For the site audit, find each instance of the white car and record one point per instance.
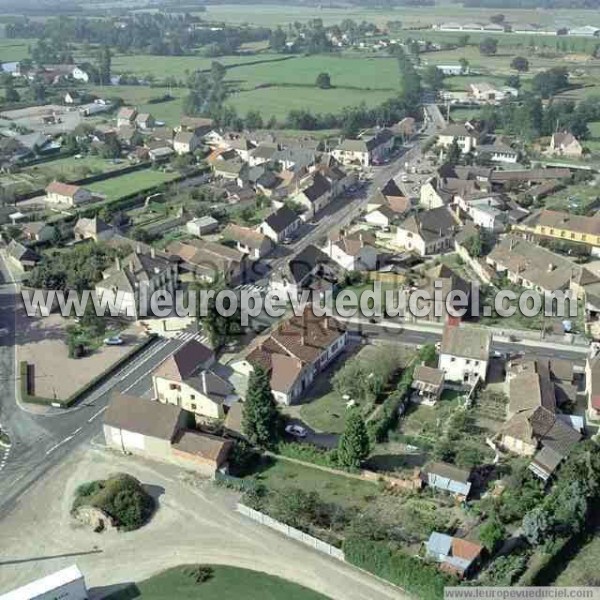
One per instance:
(113, 341)
(296, 430)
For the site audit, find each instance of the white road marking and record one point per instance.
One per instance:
(67, 439)
(97, 414)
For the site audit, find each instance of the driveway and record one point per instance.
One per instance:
(195, 523)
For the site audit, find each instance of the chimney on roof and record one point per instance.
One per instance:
(118, 263)
(203, 374)
(138, 249)
(153, 252)
(511, 244)
(550, 267)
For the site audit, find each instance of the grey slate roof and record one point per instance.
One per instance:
(147, 417)
(466, 342)
(281, 219)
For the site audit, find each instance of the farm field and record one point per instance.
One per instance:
(131, 183)
(278, 101)
(13, 49)
(140, 96)
(177, 66)
(270, 15)
(226, 582)
(367, 73)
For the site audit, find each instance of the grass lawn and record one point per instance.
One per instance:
(279, 101)
(281, 474)
(226, 583)
(69, 168)
(326, 413)
(117, 187)
(582, 570)
(574, 197)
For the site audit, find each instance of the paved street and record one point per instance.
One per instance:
(41, 438)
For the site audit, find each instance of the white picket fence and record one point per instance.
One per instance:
(291, 532)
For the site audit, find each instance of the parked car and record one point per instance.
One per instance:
(113, 341)
(296, 430)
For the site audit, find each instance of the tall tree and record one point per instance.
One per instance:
(354, 444)
(260, 418)
(104, 65)
(520, 63)
(488, 46)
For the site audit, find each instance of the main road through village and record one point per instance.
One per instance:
(42, 438)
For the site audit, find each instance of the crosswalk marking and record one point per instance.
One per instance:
(251, 287)
(190, 335)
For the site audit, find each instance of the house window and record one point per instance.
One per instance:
(468, 361)
(452, 359)
(192, 396)
(193, 406)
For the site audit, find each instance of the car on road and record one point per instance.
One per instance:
(113, 341)
(296, 431)
(287, 240)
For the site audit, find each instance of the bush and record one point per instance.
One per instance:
(199, 573)
(415, 576)
(121, 496)
(309, 453)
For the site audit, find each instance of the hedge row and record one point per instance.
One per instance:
(309, 453)
(26, 396)
(387, 415)
(417, 577)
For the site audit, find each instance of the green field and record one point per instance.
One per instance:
(278, 101)
(366, 73)
(13, 49)
(226, 583)
(139, 96)
(117, 187)
(176, 66)
(270, 15)
(282, 474)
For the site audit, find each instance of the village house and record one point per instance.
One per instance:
(160, 432)
(202, 226)
(565, 144)
(528, 176)
(67, 194)
(37, 232)
(533, 267)
(592, 388)
(186, 142)
(485, 92)
(488, 211)
(316, 195)
(533, 427)
(208, 260)
(387, 206)
(498, 151)
(144, 121)
(452, 183)
(405, 129)
(428, 232)
(92, 229)
(263, 154)
(21, 256)
(439, 282)
(126, 117)
(353, 252)
(198, 125)
(448, 478)
(310, 270)
(186, 380)
(281, 225)
(455, 556)
(297, 351)
(567, 227)
(366, 150)
(466, 137)
(428, 385)
(248, 241)
(130, 283)
(465, 354)
(72, 97)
